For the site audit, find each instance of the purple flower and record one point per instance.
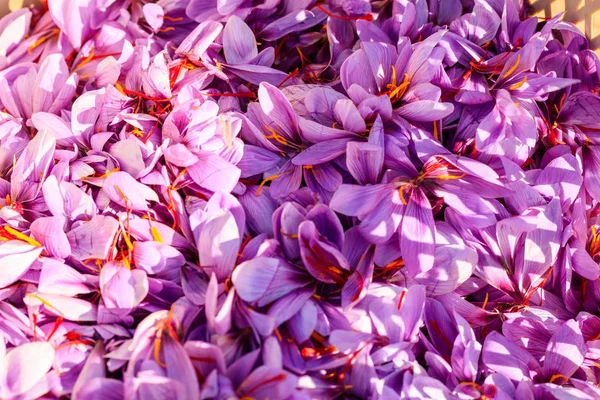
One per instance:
(296, 199)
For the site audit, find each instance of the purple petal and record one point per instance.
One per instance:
(239, 44)
(218, 244)
(23, 367)
(417, 237)
(50, 233)
(121, 287)
(252, 278)
(153, 13)
(322, 260)
(425, 110)
(124, 190)
(365, 162)
(19, 256)
(321, 152)
(214, 173)
(565, 352)
(512, 361)
(93, 239)
(268, 382)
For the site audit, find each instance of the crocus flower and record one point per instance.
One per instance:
(405, 79)
(403, 200)
(292, 199)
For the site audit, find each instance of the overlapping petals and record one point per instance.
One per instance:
(281, 199)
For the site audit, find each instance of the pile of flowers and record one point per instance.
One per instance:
(298, 199)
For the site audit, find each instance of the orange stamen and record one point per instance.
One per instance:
(401, 193)
(558, 376)
(274, 135)
(43, 39)
(517, 85)
(396, 92)
(436, 133)
(157, 344)
(172, 19)
(87, 59)
(270, 178)
(513, 68)
(487, 297)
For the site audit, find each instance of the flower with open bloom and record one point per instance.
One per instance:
(282, 199)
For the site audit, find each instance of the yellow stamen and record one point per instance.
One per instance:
(487, 297)
(120, 88)
(137, 132)
(436, 133)
(156, 235)
(125, 233)
(44, 302)
(22, 237)
(449, 177)
(397, 92)
(127, 263)
(227, 132)
(125, 199)
(126, 238)
(517, 85)
(513, 68)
